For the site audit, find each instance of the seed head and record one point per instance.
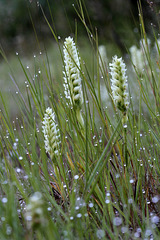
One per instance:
(119, 84)
(72, 79)
(51, 134)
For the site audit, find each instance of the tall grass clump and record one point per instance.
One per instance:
(74, 166)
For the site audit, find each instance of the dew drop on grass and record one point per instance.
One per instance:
(148, 233)
(79, 215)
(125, 126)
(155, 199)
(136, 234)
(124, 229)
(90, 205)
(71, 218)
(3, 219)
(107, 201)
(100, 233)
(117, 221)
(117, 175)
(4, 200)
(8, 230)
(131, 181)
(130, 200)
(155, 219)
(76, 177)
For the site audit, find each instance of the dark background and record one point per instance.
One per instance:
(116, 20)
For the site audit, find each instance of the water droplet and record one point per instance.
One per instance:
(148, 232)
(107, 201)
(8, 230)
(79, 215)
(124, 229)
(3, 219)
(117, 221)
(20, 158)
(131, 181)
(100, 233)
(125, 126)
(71, 218)
(130, 200)
(155, 199)
(4, 200)
(90, 205)
(136, 235)
(155, 219)
(76, 177)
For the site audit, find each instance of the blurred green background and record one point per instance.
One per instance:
(116, 20)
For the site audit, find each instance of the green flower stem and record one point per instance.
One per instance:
(125, 146)
(80, 118)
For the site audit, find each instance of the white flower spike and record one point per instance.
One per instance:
(51, 134)
(119, 84)
(72, 79)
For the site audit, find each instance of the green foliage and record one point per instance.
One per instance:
(105, 183)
